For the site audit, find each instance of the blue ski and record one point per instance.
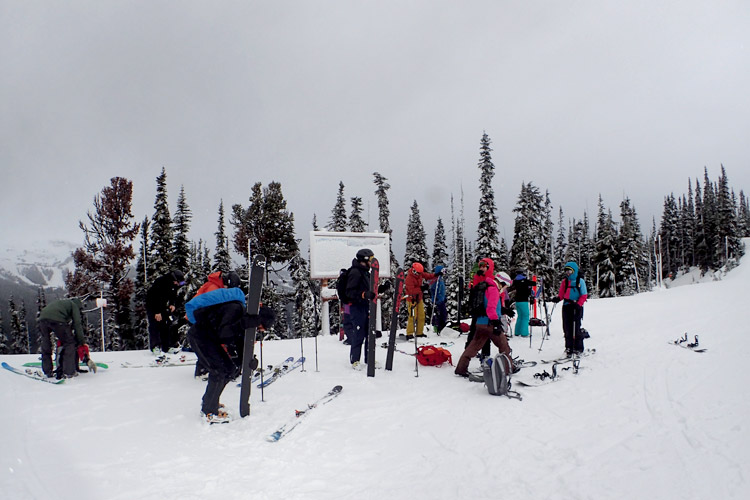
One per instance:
(299, 414)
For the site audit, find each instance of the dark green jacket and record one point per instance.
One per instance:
(65, 311)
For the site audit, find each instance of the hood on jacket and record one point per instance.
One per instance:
(438, 269)
(490, 268)
(574, 267)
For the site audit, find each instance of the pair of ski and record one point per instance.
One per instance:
(164, 361)
(554, 375)
(300, 414)
(34, 374)
(566, 358)
(277, 372)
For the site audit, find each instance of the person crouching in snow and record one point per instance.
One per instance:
(573, 292)
(489, 325)
(219, 318)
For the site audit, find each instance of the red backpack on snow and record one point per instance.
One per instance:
(430, 355)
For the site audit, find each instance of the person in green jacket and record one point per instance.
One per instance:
(57, 318)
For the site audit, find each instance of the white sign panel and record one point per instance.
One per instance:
(332, 251)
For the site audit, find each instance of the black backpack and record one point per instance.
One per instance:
(341, 286)
(477, 306)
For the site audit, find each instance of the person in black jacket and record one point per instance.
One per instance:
(358, 291)
(221, 320)
(161, 300)
(522, 286)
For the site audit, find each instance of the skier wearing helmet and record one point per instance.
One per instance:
(358, 291)
(415, 299)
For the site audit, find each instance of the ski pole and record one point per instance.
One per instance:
(416, 348)
(261, 368)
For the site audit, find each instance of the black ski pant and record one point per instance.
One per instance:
(360, 317)
(221, 368)
(572, 314)
(160, 332)
(67, 357)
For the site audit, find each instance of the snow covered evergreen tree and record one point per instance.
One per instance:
(140, 329)
(632, 263)
(461, 265)
(160, 251)
(266, 224)
(744, 216)
(528, 251)
(384, 214)
(4, 342)
(670, 241)
(338, 220)
(104, 261)
(416, 244)
(487, 244)
(305, 294)
(356, 223)
(605, 253)
(728, 242)
(19, 338)
(181, 243)
(561, 243)
(439, 247)
(222, 259)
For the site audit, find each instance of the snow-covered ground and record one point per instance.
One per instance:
(642, 419)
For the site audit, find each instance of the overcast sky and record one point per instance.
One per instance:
(578, 97)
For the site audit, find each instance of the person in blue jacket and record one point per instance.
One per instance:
(573, 293)
(218, 318)
(437, 294)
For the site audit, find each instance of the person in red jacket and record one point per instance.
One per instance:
(415, 299)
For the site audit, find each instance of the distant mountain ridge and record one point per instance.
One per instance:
(39, 264)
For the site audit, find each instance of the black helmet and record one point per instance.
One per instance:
(230, 279)
(364, 255)
(178, 277)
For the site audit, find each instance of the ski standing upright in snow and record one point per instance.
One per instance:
(374, 276)
(255, 287)
(399, 292)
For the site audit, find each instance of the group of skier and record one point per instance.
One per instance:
(218, 318)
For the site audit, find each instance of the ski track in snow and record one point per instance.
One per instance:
(642, 419)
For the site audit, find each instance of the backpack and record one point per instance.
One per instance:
(430, 355)
(341, 286)
(577, 286)
(496, 372)
(477, 306)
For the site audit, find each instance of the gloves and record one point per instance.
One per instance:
(556, 300)
(508, 311)
(497, 326)
(254, 364)
(265, 318)
(532, 300)
(385, 286)
(368, 295)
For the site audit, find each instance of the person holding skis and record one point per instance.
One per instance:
(437, 292)
(161, 301)
(57, 317)
(215, 281)
(359, 293)
(219, 318)
(522, 286)
(414, 297)
(573, 293)
(489, 325)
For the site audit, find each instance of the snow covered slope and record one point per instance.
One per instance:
(643, 419)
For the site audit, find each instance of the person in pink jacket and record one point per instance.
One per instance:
(488, 325)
